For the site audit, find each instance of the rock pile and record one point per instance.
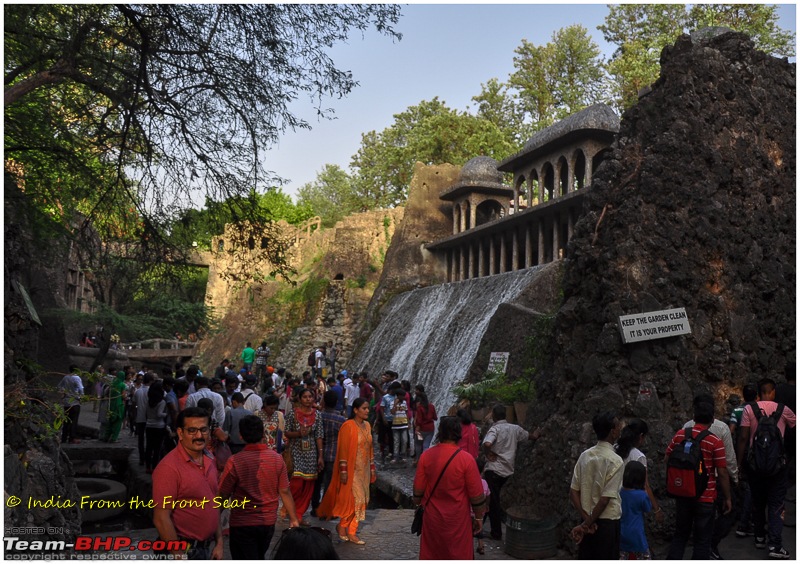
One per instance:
(694, 208)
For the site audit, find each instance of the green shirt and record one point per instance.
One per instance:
(248, 355)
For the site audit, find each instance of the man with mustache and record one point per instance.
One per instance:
(184, 485)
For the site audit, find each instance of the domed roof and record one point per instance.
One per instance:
(480, 174)
(480, 170)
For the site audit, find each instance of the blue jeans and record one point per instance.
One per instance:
(692, 517)
(424, 444)
(769, 495)
(400, 442)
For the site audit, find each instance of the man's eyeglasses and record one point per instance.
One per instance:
(195, 430)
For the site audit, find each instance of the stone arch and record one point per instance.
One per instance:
(521, 188)
(487, 211)
(563, 176)
(579, 169)
(534, 190)
(548, 178)
(599, 157)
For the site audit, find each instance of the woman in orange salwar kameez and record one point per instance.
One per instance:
(348, 493)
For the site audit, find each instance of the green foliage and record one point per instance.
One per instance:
(641, 31)
(302, 300)
(331, 196)
(496, 387)
(200, 226)
(430, 133)
(555, 80)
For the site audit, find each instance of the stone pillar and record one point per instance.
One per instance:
(463, 206)
(455, 218)
(529, 181)
(502, 253)
(528, 246)
(481, 259)
(570, 175)
(473, 214)
(587, 177)
(516, 197)
(541, 242)
(492, 257)
(514, 250)
(555, 237)
(471, 272)
(463, 263)
(570, 225)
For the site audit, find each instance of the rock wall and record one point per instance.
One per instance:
(695, 208)
(345, 261)
(408, 264)
(34, 465)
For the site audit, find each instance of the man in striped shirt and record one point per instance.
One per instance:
(254, 480)
(696, 516)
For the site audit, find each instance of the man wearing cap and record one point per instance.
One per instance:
(351, 392)
(252, 401)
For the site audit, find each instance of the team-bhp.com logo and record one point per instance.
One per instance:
(86, 548)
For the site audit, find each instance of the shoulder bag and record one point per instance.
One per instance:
(416, 525)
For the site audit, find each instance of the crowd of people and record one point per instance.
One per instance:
(716, 470)
(273, 446)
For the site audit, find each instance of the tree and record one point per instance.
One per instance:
(555, 80)
(330, 196)
(641, 31)
(430, 133)
(759, 21)
(496, 104)
(142, 106)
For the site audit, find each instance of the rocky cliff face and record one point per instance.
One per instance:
(338, 271)
(695, 208)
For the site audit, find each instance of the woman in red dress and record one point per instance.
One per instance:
(470, 438)
(448, 526)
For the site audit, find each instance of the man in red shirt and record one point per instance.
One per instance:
(696, 516)
(184, 487)
(769, 492)
(254, 479)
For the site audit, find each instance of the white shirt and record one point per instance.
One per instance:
(723, 432)
(216, 399)
(351, 391)
(504, 438)
(252, 401)
(320, 359)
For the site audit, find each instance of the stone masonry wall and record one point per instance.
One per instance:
(694, 208)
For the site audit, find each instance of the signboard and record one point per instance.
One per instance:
(654, 325)
(498, 361)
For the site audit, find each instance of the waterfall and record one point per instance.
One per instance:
(431, 335)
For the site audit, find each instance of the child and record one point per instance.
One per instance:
(479, 535)
(635, 503)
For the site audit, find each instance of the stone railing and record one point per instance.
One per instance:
(156, 344)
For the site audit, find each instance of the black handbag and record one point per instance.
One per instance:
(416, 524)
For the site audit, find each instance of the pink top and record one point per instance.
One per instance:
(787, 417)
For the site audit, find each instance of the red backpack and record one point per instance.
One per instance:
(687, 475)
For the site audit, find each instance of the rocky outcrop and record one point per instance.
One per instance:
(694, 208)
(408, 264)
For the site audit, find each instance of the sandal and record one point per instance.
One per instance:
(480, 550)
(356, 540)
(342, 537)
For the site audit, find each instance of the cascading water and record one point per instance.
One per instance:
(430, 336)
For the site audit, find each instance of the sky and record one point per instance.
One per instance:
(447, 50)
